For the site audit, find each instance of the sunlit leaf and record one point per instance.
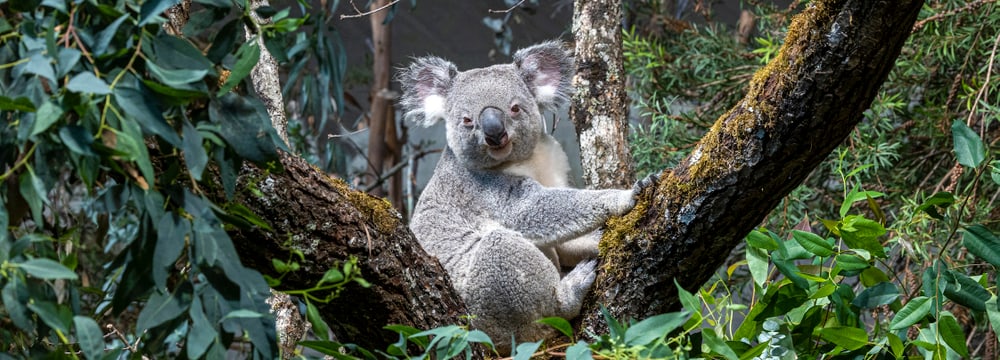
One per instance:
(969, 148)
(914, 310)
(559, 324)
(952, 333)
(813, 243)
(850, 338)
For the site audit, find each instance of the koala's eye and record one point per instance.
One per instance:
(515, 109)
(467, 121)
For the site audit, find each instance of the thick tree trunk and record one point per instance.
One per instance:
(329, 223)
(599, 105)
(798, 109)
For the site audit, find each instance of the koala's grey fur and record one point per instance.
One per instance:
(497, 212)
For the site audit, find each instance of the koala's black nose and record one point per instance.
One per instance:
(491, 119)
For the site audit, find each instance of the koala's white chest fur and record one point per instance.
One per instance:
(548, 164)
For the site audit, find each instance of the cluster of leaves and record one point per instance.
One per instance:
(119, 150)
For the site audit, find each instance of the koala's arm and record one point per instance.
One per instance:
(549, 216)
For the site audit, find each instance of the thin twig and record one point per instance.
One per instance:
(968, 7)
(982, 91)
(395, 168)
(360, 14)
(508, 10)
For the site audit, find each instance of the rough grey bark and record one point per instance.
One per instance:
(798, 109)
(599, 105)
(265, 76)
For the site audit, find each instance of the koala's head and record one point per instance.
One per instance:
(492, 115)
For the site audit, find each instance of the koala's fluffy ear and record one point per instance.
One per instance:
(546, 69)
(425, 85)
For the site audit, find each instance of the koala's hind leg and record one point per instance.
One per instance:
(512, 284)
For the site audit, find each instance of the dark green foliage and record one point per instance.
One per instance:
(110, 127)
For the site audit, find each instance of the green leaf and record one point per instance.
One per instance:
(717, 345)
(194, 153)
(55, 316)
(47, 269)
(654, 328)
(87, 83)
(896, 345)
(523, 351)
(967, 292)
(952, 333)
(915, 310)
(89, 337)
(140, 106)
(850, 338)
(77, 139)
(201, 334)
(41, 65)
(615, 329)
(992, 312)
(246, 127)
(227, 38)
(875, 296)
(105, 36)
(171, 230)
(579, 351)
(983, 243)
(319, 326)
(813, 243)
(176, 77)
(33, 191)
(787, 268)
(969, 148)
(861, 233)
(758, 262)
(66, 60)
(779, 302)
(559, 324)
(246, 216)
(15, 297)
(242, 314)
(17, 104)
(246, 58)
(941, 200)
(759, 240)
(151, 9)
(46, 115)
(854, 196)
(162, 308)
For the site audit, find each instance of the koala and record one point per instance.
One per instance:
(498, 212)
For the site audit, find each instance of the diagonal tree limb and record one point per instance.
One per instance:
(799, 107)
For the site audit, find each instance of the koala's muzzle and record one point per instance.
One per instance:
(491, 119)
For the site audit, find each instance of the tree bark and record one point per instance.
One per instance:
(380, 156)
(798, 109)
(599, 104)
(329, 223)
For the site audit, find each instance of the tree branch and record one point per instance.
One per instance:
(798, 109)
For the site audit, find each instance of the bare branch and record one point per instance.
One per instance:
(366, 13)
(508, 10)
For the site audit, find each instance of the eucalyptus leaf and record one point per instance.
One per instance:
(162, 308)
(89, 337)
(850, 338)
(983, 243)
(46, 115)
(140, 106)
(175, 77)
(202, 332)
(881, 294)
(41, 65)
(194, 152)
(88, 83)
(47, 269)
(104, 37)
(952, 333)
(16, 104)
(77, 139)
(55, 316)
(151, 10)
(914, 310)
(969, 148)
(246, 58)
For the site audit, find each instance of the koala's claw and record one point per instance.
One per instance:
(650, 180)
(583, 275)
